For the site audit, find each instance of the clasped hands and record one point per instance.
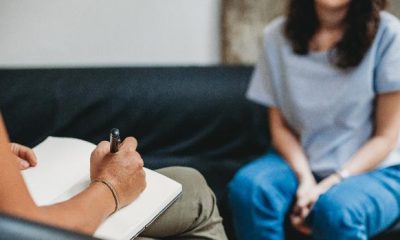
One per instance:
(308, 193)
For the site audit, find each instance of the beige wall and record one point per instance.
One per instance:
(113, 33)
(242, 24)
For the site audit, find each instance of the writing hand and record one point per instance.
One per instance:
(123, 169)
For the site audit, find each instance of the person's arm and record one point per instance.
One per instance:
(382, 143)
(385, 138)
(288, 145)
(88, 209)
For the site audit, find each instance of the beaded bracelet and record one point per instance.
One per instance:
(113, 191)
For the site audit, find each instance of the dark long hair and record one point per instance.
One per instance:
(360, 26)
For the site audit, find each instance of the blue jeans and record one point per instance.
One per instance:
(262, 193)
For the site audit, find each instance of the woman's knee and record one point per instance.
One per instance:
(267, 174)
(262, 188)
(242, 186)
(241, 181)
(331, 218)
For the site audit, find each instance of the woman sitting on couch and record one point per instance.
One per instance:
(330, 74)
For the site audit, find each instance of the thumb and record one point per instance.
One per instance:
(24, 153)
(302, 202)
(23, 164)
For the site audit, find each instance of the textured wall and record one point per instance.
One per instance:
(395, 7)
(242, 24)
(243, 21)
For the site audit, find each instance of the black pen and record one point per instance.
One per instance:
(115, 140)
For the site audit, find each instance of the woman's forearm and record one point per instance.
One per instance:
(288, 146)
(367, 158)
(286, 143)
(385, 138)
(370, 155)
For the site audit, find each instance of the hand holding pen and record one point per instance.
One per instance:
(121, 173)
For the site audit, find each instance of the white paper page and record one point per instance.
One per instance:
(61, 162)
(63, 171)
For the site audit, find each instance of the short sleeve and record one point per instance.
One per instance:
(387, 78)
(260, 89)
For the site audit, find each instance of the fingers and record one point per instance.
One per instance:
(28, 155)
(102, 149)
(129, 144)
(140, 161)
(304, 212)
(299, 225)
(23, 164)
(103, 146)
(24, 153)
(298, 220)
(305, 202)
(301, 203)
(302, 207)
(301, 212)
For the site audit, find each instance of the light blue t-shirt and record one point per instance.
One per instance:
(331, 110)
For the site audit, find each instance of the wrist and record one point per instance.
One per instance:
(111, 202)
(305, 177)
(329, 182)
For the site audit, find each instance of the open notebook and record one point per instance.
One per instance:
(63, 171)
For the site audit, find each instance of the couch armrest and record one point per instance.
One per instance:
(20, 229)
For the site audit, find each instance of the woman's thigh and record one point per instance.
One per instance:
(267, 176)
(260, 195)
(365, 205)
(270, 168)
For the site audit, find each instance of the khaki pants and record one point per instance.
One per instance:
(193, 216)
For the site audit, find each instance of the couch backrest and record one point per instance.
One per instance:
(171, 110)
